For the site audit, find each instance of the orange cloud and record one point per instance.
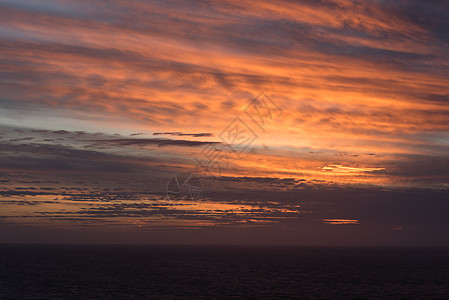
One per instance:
(341, 221)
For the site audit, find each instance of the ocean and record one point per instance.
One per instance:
(218, 272)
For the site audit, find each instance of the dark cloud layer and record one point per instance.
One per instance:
(156, 142)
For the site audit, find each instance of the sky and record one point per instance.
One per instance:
(224, 122)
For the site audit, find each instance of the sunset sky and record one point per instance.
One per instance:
(300, 122)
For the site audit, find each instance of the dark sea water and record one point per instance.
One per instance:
(173, 272)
